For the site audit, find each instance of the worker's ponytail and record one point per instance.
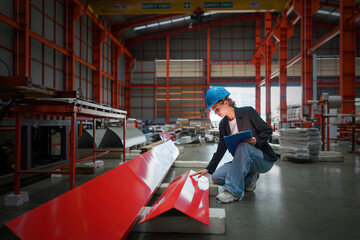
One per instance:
(229, 100)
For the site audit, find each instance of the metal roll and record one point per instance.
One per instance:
(335, 102)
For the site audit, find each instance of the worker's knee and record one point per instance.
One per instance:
(219, 180)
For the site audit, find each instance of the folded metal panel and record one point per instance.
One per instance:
(187, 194)
(106, 207)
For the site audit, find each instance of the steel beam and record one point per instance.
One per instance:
(306, 11)
(167, 79)
(268, 54)
(74, 12)
(89, 65)
(257, 66)
(117, 52)
(100, 25)
(270, 34)
(283, 70)
(99, 36)
(347, 55)
(22, 45)
(171, 86)
(129, 63)
(10, 21)
(327, 37)
(208, 61)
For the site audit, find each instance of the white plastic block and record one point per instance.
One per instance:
(90, 164)
(13, 200)
(99, 163)
(130, 156)
(96, 164)
(56, 175)
(190, 164)
(182, 223)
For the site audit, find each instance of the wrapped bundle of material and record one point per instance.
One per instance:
(300, 143)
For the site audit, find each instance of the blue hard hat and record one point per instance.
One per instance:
(214, 94)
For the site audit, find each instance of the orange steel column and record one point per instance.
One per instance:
(268, 53)
(115, 89)
(347, 55)
(257, 66)
(283, 70)
(99, 36)
(306, 59)
(22, 41)
(74, 13)
(208, 55)
(167, 76)
(129, 62)
(208, 63)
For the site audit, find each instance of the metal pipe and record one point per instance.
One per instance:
(43, 172)
(72, 150)
(109, 151)
(314, 73)
(17, 154)
(124, 133)
(93, 128)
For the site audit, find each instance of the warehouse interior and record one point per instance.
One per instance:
(103, 111)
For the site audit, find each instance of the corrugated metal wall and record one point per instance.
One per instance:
(47, 64)
(84, 50)
(142, 102)
(6, 41)
(121, 77)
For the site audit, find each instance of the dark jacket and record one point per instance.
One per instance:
(247, 119)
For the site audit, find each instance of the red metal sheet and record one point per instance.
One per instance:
(187, 194)
(152, 166)
(165, 136)
(106, 207)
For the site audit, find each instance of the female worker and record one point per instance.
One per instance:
(251, 157)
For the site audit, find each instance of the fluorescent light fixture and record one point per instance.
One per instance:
(209, 13)
(165, 22)
(336, 14)
(139, 27)
(152, 25)
(155, 24)
(177, 19)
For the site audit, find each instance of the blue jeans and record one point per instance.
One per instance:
(238, 174)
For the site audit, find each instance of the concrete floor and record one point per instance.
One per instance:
(292, 201)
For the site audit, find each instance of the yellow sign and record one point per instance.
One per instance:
(184, 7)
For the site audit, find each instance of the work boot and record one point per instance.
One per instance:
(252, 185)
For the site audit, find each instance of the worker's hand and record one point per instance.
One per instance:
(200, 173)
(252, 141)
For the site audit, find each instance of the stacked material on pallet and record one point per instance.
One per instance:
(300, 143)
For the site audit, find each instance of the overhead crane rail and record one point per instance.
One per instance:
(184, 6)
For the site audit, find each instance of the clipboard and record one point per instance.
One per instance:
(233, 140)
